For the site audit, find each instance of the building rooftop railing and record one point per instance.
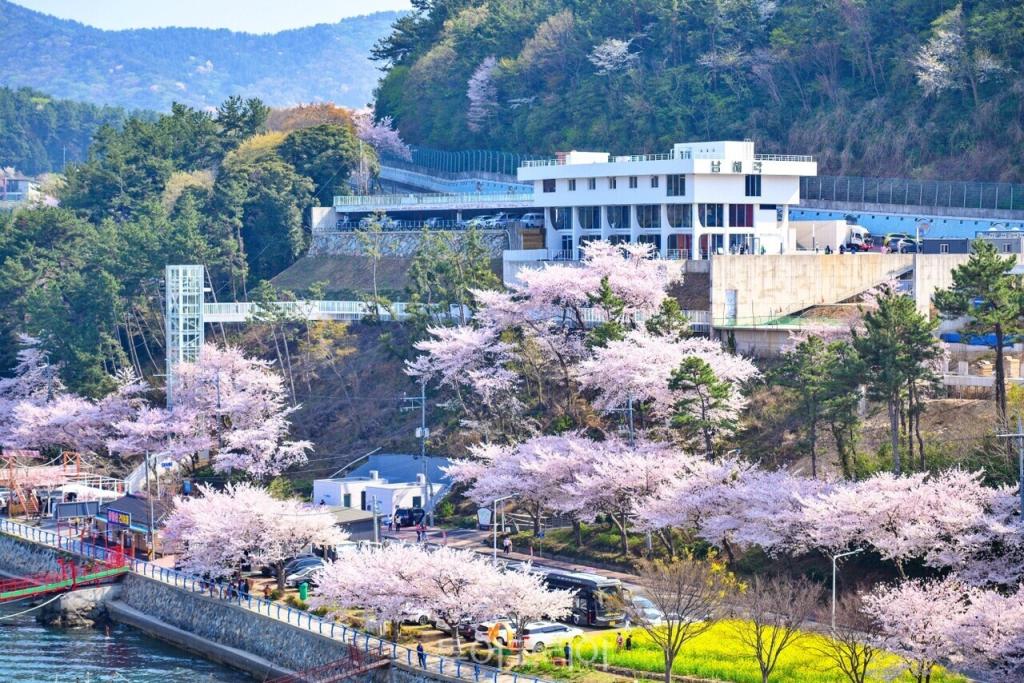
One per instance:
(684, 154)
(379, 200)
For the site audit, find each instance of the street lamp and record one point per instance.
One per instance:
(494, 523)
(834, 559)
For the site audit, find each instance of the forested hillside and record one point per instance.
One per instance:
(38, 133)
(930, 88)
(151, 68)
(186, 187)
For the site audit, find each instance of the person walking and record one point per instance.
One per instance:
(567, 650)
(506, 545)
(266, 591)
(421, 654)
(618, 642)
(629, 642)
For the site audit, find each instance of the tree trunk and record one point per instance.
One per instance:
(814, 443)
(279, 572)
(894, 433)
(668, 665)
(1000, 376)
(623, 535)
(577, 532)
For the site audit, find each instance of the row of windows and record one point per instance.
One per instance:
(675, 185)
(649, 216)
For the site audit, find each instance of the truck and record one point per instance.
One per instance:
(837, 235)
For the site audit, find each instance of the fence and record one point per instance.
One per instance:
(360, 640)
(954, 194)
(455, 162)
(394, 201)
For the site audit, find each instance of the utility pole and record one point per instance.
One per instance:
(376, 525)
(422, 433)
(149, 487)
(1019, 436)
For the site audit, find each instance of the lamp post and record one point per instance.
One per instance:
(494, 524)
(376, 525)
(834, 559)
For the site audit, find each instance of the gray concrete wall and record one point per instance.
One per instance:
(780, 284)
(404, 243)
(226, 625)
(25, 559)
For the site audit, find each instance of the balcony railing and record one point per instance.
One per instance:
(684, 154)
(783, 157)
(391, 200)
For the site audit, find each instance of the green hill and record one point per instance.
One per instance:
(151, 68)
(876, 87)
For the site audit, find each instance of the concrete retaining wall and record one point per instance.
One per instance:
(403, 243)
(206, 618)
(25, 559)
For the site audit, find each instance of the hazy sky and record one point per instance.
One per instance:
(255, 16)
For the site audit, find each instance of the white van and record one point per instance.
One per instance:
(532, 220)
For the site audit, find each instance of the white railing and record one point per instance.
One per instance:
(677, 254)
(316, 310)
(351, 637)
(630, 158)
(371, 201)
(783, 157)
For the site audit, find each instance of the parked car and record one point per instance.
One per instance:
(539, 635)
(409, 516)
(304, 575)
(895, 237)
(482, 632)
(532, 220)
(501, 220)
(418, 617)
(479, 221)
(904, 246)
(644, 611)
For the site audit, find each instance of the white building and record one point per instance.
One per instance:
(700, 198)
(359, 492)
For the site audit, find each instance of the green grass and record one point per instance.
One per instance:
(718, 654)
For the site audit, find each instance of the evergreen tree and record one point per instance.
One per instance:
(991, 298)
(701, 414)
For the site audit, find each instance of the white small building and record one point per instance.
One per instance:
(360, 492)
(698, 199)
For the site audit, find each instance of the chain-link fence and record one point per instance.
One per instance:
(453, 163)
(954, 194)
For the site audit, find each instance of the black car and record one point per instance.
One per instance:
(410, 516)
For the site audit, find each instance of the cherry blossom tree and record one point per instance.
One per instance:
(523, 598)
(226, 402)
(218, 530)
(482, 94)
(381, 135)
(33, 381)
(921, 620)
(992, 634)
(612, 56)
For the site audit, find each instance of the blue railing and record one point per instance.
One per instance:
(348, 635)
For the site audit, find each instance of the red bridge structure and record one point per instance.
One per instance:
(72, 575)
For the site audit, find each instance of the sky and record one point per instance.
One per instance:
(254, 16)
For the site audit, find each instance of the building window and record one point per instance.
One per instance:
(572, 185)
(591, 183)
(559, 217)
(346, 500)
(767, 207)
(618, 217)
(618, 239)
(611, 183)
(648, 215)
(566, 252)
(650, 239)
(741, 215)
(654, 180)
(710, 215)
(589, 217)
(676, 185)
(943, 248)
(632, 182)
(417, 502)
(362, 500)
(549, 184)
(753, 186)
(680, 215)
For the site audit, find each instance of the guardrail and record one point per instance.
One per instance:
(361, 640)
(428, 198)
(669, 156)
(952, 194)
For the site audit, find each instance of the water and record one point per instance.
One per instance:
(37, 654)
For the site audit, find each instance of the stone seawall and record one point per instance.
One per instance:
(402, 243)
(18, 558)
(229, 626)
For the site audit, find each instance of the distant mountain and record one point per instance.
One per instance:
(151, 68)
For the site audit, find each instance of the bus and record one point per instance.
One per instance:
(597, 600)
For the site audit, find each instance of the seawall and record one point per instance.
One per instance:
(220, 631)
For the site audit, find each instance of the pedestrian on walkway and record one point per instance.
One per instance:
(421, 654)
(266, 591)
(568, 655)
(507, 545)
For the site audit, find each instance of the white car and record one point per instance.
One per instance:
(304, 575)
(644, 611)
(532, 220)
(539, 635)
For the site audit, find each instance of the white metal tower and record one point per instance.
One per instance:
(184, 316)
